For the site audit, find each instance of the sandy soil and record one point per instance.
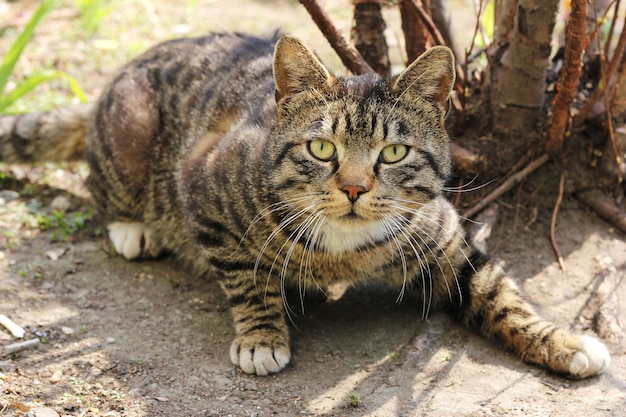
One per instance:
(147, 339)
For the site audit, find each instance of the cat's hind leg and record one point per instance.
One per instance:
(133, 240)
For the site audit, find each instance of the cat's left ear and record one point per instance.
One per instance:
(431, 76)
(297, 69)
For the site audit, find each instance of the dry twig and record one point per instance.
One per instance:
(600, 309)
(348, 54)
(11, 326)
(19, 346)
(604, 206)
(427, 21)
(415, 36)
(555, 214)
(507, 185)
(606, 78)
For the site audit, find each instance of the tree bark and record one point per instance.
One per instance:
(518, 63)
(368, 35)
(567, 86)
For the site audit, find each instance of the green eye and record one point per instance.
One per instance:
(393, 153)
(322, 149)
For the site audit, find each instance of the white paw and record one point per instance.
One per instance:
(591, 360)
(260, 360)
(133, 240)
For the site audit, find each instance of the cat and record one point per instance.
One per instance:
(250, 161)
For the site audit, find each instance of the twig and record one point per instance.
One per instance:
(11, 326)
(604, 206)
(568, 78)
(555, 214)
(477, 27)
(606, 78)
(19, 346)
(415, 38)
(609, 38)
(507, 185)
(601, 307)
(427, 21)
(348, 54)
(609, 116)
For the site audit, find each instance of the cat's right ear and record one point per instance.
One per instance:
(297, 69)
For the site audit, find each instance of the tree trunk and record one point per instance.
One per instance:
(368, 35)
(518, 63)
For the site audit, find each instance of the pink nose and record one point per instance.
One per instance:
(353, 191)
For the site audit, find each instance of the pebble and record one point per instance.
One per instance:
(56, 254)
(60, 203)
(6, 196)
(56, 376)
(67, 330)
(45, 412)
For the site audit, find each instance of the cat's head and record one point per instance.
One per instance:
(361, 152)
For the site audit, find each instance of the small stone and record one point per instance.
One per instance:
(67, 330)
(56, 376)
(55, 254)
(6, 196)
(110, 340)
(60, 203)
(45, 412)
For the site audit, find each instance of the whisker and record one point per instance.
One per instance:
(278, 206)
(299, 232)
(401, 223)
(441, 250)
(278, 229)
(388, 223)
(306, 257)
(462, 189)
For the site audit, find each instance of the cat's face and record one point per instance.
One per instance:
(356, 158)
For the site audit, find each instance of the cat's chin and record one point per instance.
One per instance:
(352, 217)
(350, 233)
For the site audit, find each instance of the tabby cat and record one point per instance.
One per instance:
(248, 160)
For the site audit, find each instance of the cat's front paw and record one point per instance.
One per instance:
(260, 353)
(592, 359)
(133, 240)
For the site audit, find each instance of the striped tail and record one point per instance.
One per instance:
(55, 136)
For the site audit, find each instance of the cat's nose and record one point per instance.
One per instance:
(354, 191)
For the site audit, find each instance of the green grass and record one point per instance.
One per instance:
(9, 96)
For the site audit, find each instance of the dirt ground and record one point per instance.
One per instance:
(147, 339)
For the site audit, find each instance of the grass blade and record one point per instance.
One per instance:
(35, 80)
(10, 59)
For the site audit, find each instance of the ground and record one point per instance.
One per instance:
(147, 339)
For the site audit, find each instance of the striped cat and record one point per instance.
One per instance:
(250, 161)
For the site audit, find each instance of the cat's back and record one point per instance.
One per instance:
(202, 74)
(173, 102)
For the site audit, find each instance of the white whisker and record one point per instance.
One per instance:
(429, 218)
(463, 189)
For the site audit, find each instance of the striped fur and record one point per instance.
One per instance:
(205, 147)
